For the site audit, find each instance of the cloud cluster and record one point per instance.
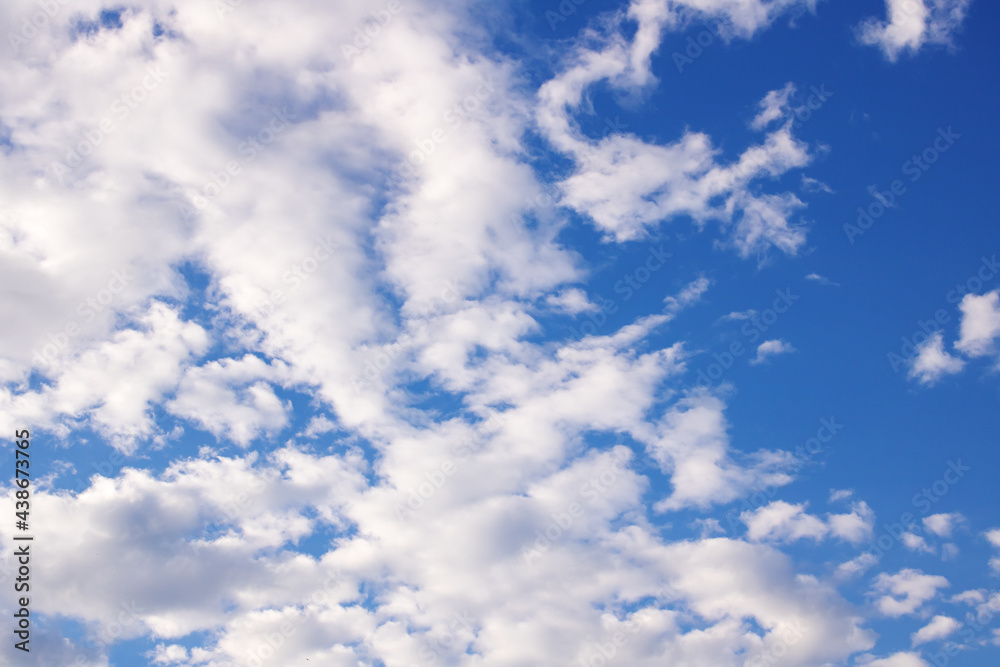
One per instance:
(913, 23)
(780, 521)
(979, 329)
(330, 261)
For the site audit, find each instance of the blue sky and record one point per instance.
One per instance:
(503, 334)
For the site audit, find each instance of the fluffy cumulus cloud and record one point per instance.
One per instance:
(114, 383)
(906, 591)
(944, 524)
(231, 398)
(939, 628)
(782, 521)
(980, 324)
(915, 542)
(298, 269)
(691, 444)
(933, 361)
(993, 537)
(911, 24)
(978, 331)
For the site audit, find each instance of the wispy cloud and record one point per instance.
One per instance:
(771, 348)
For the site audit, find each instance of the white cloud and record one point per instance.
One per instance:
(691, 294)
(971, 598)
(906, 591)
(912, 24)
(939, 628)
(572, 301)
(916, 543)
(906, 659)
(771, 348)
(706, 576)
(840, 494)
(319, 425)
(943, 524)
(691, 444)
(232, 398)
(933, 362)
(774, 106)
(949, 551)
(856, 566)
(783, 522)
(822, 280)
(855, 526)
(990, 605)
(993, 536)
(114, 383)
(312, 271)
(198, 526)
(626, 185)
(739, 315)
(743, 17)
(814, 185)
(170, 655)
(980, 324)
